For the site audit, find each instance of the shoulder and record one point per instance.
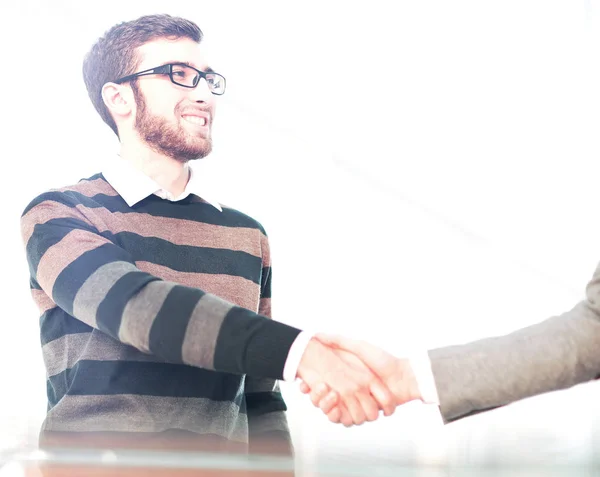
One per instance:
(240, 219)
(85, 190)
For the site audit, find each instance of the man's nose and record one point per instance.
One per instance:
(201, 93)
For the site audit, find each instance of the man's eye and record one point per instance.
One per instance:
(179, 74)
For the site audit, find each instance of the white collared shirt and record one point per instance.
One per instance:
(134, 186)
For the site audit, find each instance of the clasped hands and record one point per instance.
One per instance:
(352, 381)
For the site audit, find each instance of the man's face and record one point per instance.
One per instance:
(174, 120)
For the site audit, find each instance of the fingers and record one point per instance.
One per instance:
(318, 394)
(355, 409)
(335, 415)
(369, 406)
(345, 417)
(386, 401)
(321, 397)
(329, 402)
(357, 398)
(397, 383)
(340, 415)
(325, 400)
(378, 396)
(349, 378)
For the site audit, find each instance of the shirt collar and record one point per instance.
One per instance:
(134, 186)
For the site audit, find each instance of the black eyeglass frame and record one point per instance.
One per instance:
(168, 70)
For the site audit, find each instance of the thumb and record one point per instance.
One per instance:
(360, 348)
(337, 341)
(374, 357)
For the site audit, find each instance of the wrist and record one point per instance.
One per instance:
(305, 366)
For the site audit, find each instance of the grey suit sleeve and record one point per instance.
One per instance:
(555, 354)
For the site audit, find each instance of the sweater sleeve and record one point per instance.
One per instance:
(94, 280)
(267, 420)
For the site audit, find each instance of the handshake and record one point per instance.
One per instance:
(351, 381)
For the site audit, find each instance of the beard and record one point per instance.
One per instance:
(168, 138)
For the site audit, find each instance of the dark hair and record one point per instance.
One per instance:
(114, 55)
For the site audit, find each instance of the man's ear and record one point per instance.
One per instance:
(118, 99)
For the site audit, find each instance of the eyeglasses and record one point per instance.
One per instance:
(183, 75)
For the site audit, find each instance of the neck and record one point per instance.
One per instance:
(170, 174)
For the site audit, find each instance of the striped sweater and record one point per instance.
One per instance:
(155, 318)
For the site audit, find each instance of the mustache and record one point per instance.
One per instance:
(195, 109)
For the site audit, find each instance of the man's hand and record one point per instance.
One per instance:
(395, 373)
(359, 393)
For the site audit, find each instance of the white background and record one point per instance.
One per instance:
(427, 173)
